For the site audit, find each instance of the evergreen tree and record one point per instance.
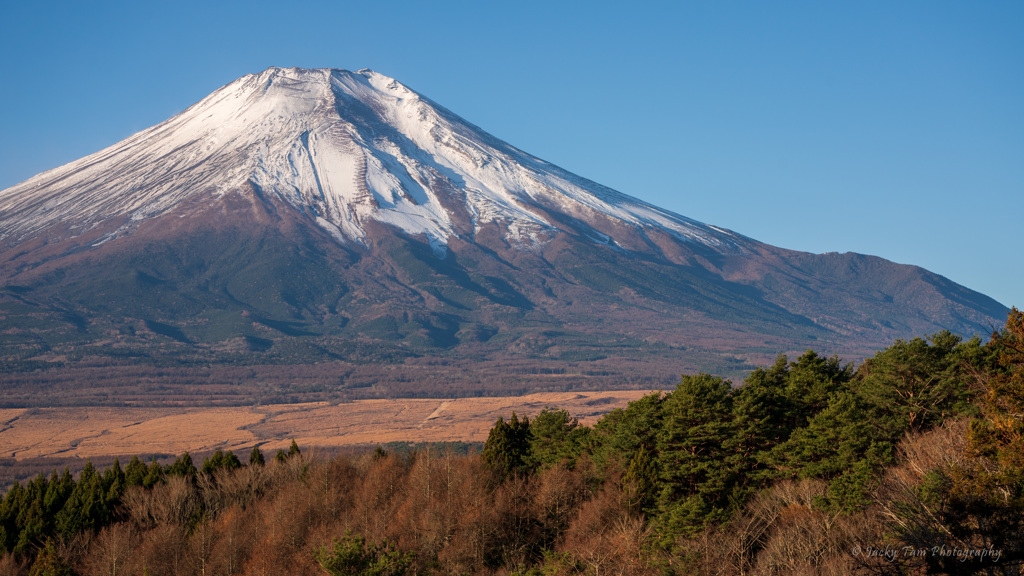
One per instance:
(844, 443)
(85, 508)
(998, 434)
(762, 414)
(135, 472)
(231, 462)
(154, 474)
(220, 460)
(212, 462)
(32, 520)
(920, 382)
(977, 500)
(57, 494)
(182, 466)
(811, 381)
(507, 449)
(256, 457)
(640, 483)
(621, 433)
(352, 556)
(696, 478)
(10, 509)
(555, 436)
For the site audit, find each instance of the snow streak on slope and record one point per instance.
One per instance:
(343, 147)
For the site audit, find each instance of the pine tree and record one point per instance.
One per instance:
(182, 466)
(621, 433)
(256, 457)
(762, 416)
(154, 474)
(57, 494)
(920, 382)
(32, 520)
(220, 460)
(976, 501)
(135, 472)
(640, 483)
(696, 478)
(507, 449)
(844, 444)
(555, 436)
(352, 556)
(999, 433)
(811, 381)
(84, 509)
(10, 509)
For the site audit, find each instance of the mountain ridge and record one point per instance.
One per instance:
(296, 217)
(331, 175)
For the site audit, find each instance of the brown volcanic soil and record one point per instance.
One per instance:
(102, 433)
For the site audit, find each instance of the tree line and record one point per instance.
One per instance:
(911, 463)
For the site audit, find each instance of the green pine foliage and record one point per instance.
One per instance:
(919, 383)
(154, 474)
(59, 506)
(221, 460)
(620, 434)
(351, 555)
(62, 506)
(256, 457)
(182, 466)
(556, 436)
(135, 472)
(507, 449)
(692, 457)
(696, 477)
(640, 483)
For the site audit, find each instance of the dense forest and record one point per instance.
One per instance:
(911, 463)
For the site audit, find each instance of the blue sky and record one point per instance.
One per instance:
(886, 128)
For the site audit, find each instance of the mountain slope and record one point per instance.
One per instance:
(344, 147)
(297, 217)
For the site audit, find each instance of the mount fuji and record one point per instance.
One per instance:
(314, 233)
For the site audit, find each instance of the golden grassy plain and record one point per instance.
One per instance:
(98, 432)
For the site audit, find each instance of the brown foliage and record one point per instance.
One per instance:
(11, 566)
(113, 551)
(781, 532)
(234, 542)
(604, 537)
(162, 552)
(447, 510)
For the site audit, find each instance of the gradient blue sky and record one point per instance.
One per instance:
(886, 128)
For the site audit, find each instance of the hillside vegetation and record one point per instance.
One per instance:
(912, 463)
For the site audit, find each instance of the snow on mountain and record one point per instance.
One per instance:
(201, 241)
(343, 147)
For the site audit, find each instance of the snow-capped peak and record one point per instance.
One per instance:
(344, 147)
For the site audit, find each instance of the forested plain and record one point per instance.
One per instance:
(910, 463)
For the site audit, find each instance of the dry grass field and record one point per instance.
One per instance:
(105, 432)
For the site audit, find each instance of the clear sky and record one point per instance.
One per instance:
(893, 128)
